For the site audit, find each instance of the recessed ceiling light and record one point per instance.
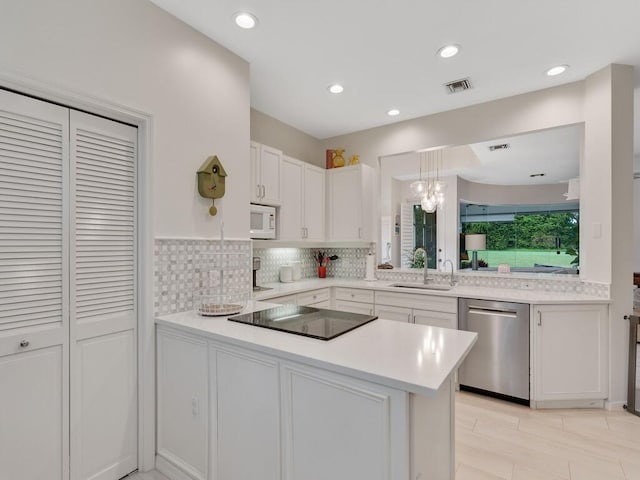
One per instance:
(557, 70)
(335, 88)
(393, 112)
(245, 20)
(449, 51)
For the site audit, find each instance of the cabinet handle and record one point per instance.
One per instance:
(539, 319)
(359, 232)
(264, 191)
(409, 318)
(258, 191)
(24, 343)
(306, 232)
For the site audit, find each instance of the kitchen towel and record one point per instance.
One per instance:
(370, 274)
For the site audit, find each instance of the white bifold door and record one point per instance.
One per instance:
(68, 316)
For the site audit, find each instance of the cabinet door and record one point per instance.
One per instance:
(254, 156)
(291, 211)
(345, 204)
(314, 203)
(354, 307)
(247, 405)
(398, 314)
(435, 319)
(270, 164)
(182, 411)
(369, 419)
(571, 348)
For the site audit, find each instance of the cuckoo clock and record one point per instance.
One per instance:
(211, 176)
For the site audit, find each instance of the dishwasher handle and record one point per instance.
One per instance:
(489, 312)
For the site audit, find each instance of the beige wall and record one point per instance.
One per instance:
(133, 54)
(293, 142)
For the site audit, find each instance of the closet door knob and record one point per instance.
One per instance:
(24, 343)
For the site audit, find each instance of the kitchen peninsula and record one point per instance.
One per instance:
(236, 401)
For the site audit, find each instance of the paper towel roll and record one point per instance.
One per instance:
(370, 274)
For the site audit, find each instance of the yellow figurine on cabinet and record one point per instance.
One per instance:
(338, 159)
(354, 160)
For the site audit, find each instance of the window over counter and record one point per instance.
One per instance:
(419, 236)
(529, 238)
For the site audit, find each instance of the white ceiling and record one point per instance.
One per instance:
(384, 53)
(554, 152)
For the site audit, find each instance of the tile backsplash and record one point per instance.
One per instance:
(180, 263)
(180, 266)
(350, 264)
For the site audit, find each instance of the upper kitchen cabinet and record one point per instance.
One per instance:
(302, 195)
(266, 163)
(350, 203)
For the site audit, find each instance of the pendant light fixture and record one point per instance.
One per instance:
(430, 191)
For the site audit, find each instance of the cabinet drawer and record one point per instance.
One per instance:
(417, 300)
(354, 307)
(354, 295)
(397, 314)
(313, 296)
(435, 319)
(283, 300)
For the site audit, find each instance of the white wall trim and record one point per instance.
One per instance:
(146, 339)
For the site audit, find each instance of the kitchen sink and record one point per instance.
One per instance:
(422, 286)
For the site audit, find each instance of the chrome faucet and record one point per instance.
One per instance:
(452, 282)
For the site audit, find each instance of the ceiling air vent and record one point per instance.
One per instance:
(458, 85)
(501, 146)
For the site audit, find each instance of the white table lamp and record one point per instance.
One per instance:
(474, 243)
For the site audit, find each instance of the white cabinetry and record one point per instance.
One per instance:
(350, 203)
(422, 309)
(570, 354)
(182, 404)
(319, 298)
(246, 414)
(302, 195)
(354, 300)
(265, 174)
(318, 404)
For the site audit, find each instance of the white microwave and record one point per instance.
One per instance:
(263, 222)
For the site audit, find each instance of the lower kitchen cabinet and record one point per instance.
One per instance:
(319, 298)
(182, 405)
(433, 310)
(570, 355)
(245, 406)
(317, 404)
(354, 300)
(397, 314)
(229, 413)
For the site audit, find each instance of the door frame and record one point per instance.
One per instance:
(146, 338)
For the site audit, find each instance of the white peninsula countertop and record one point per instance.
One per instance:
(414, 358)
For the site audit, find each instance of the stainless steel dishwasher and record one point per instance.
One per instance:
(498, 364)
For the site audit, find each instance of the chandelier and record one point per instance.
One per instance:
(430, 192)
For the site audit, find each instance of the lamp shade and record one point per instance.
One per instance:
(475, 242)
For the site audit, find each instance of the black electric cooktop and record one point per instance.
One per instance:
(308, 321)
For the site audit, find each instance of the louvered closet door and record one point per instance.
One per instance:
(103, 325)
(34, 328)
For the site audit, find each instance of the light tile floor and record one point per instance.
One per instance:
(497, 440)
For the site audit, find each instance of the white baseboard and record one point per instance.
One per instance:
(171, 471)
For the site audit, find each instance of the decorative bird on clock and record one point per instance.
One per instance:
(211, 180)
